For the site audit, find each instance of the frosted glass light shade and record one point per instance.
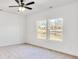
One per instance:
(21, 9)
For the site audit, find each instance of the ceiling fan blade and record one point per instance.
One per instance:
(30, 3)
(13, 6)
(28, 8)
(17, 1)
(21, 1)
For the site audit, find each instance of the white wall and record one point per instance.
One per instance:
(69, 14)
(11, 29)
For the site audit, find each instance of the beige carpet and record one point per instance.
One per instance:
(29, 52)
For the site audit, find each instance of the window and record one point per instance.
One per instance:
(50, 29)
(41, 29)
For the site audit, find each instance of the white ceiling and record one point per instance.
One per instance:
(40, 5)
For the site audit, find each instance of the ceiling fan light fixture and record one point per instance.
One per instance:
(22, 9)
(22, 6)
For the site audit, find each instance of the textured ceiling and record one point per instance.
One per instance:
(40, 5)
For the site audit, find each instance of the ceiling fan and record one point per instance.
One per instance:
(22, 6)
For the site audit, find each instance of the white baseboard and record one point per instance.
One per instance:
(10, 43)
